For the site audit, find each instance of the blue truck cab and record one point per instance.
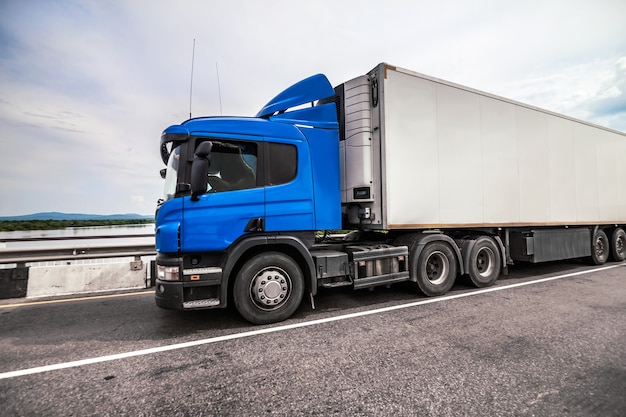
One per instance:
(243, 199)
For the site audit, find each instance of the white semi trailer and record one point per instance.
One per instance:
(419, 153)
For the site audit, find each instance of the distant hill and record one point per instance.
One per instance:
(76, 216)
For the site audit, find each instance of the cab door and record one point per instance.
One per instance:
(289, 204)
(235, 198)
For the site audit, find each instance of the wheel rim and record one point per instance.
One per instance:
(437, 267)
(485, 262)
(601, 247)
(619, 246)
(270, 288)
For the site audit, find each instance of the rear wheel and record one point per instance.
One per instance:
(484, 262)
(268, 288)
(599, 248)
(435, 269)
(618, 245)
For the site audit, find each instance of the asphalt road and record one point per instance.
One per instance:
(529, 346)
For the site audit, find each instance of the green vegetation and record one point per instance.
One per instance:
(13, 225)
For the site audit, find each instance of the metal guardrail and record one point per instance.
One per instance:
(55, 238)
(22, 255)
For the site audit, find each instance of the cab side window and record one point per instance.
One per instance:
(232, 165)
(282, 163)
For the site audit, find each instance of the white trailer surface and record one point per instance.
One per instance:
(440, 155)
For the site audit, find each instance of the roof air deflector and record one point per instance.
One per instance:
(308, 90)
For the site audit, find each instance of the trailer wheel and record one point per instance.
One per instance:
(268, 288)
(435, 269)
(484, 262)
(599, 248)
(618, 245)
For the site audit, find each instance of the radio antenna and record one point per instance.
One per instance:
(193, 55)
(219, 90)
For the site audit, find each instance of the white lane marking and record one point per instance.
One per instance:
(90, 361)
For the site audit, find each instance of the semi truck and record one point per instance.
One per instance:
(389, 177)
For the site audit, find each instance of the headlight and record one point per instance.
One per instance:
(168, 273)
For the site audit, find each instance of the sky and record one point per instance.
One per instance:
(87, 86)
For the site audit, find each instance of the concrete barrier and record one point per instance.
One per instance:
(50, 281)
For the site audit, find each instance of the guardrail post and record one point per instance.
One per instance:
(153, 274)
(137, 264)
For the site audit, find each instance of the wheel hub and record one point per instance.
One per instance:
(600, 246)
(620, 246)
(270, 288)
(485, 262)
(437, 268)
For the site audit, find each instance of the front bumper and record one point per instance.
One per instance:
(169, 295)
(187, 296)
(188, 288)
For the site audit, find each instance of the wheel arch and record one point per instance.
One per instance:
(466, 245)
(246, 248)
(417, 242)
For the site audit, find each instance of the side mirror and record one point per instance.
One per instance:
(200, 170)
(162, 172)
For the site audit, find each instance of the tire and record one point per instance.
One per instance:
(268, 288)
(484, 262)
(599, 248)
(618, 245)
(435, 269)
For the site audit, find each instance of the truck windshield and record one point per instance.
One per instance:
(171, 174)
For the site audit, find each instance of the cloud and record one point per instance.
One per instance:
(87, 86)
(603, 103)
(593, 91)
(609, 102)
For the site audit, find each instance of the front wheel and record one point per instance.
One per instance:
(268, 288)
(435, 269)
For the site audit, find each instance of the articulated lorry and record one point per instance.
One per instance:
(427, 180)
